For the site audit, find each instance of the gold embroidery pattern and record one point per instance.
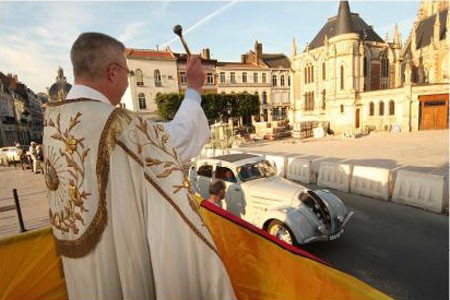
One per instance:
(169, 165)
(75, 155)
(59, 103)
(115, 124)
(168, 198)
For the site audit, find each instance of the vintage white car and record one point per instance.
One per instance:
(284, 208)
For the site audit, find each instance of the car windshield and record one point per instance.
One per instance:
(256, 170)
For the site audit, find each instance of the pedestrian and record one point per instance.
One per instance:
(33, 155)
(122, 211)
(40, 158)
(21, 153)
(217, 192)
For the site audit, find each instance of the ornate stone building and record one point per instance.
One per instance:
(21, 114)
(59, 90)
(349, 76)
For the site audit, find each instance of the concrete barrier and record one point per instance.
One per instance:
(279, 162)
(335, 176)
(372, 182)
(299, 169)
(422, 190)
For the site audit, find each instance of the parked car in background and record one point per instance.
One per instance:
(10, 154)
(287, 210)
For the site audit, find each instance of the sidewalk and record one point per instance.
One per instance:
(424, 151)
(32, 194)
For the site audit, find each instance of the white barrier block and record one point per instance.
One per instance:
(419, 189)
(208, 153)
(279, 162)
(220, 152)
(372, 182)
(254, 153)
(234, 151)
(299, 169)
(335, 176)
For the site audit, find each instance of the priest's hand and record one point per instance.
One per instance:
(195, 75)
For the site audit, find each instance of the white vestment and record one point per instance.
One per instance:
(121, 208)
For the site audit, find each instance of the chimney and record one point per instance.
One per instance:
(243, 58)
(205, 54)
(258, 51)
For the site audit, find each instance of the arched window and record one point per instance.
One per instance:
(365, 66)
(385, 67)
(282, 80)
(141, 99)
(342, 108)
(391, 108)
(324, 71)
(139, 77)
(264, 98)
(289, 80)
(381, 108)
(157, 76)
(274, 80)
(257, 94)
(324, 96)
(312, 73)
(342, 77)
(306, 75)
(371, 109)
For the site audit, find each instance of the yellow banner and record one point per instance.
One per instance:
(30, 267)
(261, 267)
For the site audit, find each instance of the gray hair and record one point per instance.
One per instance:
(92, 52)
(216, 186)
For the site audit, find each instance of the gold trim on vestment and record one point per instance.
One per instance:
(168, 198)
(69, 101)
(117, 121)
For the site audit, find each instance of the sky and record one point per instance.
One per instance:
(36, 37)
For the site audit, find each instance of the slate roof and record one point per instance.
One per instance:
(276, 60)
(331, 29)
(425, 29)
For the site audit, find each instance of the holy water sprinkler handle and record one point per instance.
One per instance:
(178, 30)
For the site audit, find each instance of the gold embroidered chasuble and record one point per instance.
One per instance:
(121, 208)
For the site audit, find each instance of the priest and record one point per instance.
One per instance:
(121, 209)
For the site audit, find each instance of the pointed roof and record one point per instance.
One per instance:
(344, 22)
(343, 19)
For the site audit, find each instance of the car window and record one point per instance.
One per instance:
(226, 174)
(249, 172)
(205, 170)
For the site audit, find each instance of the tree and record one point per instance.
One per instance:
(168, 105)
(215, 106)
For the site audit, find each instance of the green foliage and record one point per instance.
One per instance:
(168, 105)
(215, 106)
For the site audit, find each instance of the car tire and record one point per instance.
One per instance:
(281, 231)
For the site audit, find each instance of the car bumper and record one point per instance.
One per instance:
(330, 237)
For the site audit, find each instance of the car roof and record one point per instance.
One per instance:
(234, 157)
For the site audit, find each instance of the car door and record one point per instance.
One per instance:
(234, 196)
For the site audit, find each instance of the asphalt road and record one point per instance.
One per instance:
(400, 250)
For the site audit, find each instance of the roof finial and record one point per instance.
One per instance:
(396, 39)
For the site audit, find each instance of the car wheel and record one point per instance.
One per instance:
(281, 231)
